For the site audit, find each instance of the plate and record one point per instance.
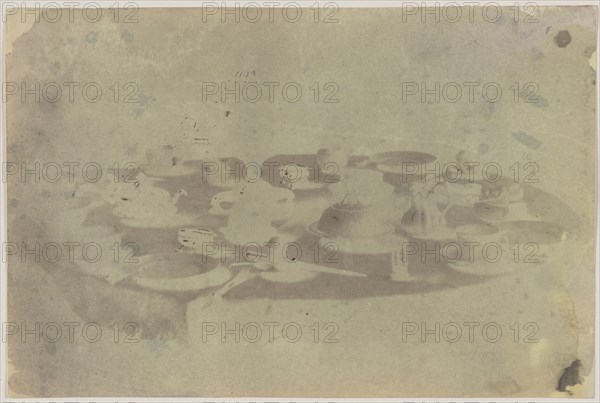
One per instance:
(176, 272)
(532, 231)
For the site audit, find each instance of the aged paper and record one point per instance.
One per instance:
(315, 202)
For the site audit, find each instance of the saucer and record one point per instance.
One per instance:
(394, 161)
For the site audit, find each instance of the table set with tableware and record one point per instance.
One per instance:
(315, 226)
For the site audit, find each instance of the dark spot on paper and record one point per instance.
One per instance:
(570, 376)
(562, 39)
(541, 101)
(227, 113)
(537, 54)
(50, 348)
(92, 37)
(127, 36)
(143, 99)
(268, 310)
(589, 51)
(527, 140)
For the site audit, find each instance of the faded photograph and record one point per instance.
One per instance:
(300, 202)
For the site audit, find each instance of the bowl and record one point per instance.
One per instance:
(478, 233)
(491, 211)
(352, 220)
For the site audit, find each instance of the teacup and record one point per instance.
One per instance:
(221, 202)
(296, 176)
(259, 195)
